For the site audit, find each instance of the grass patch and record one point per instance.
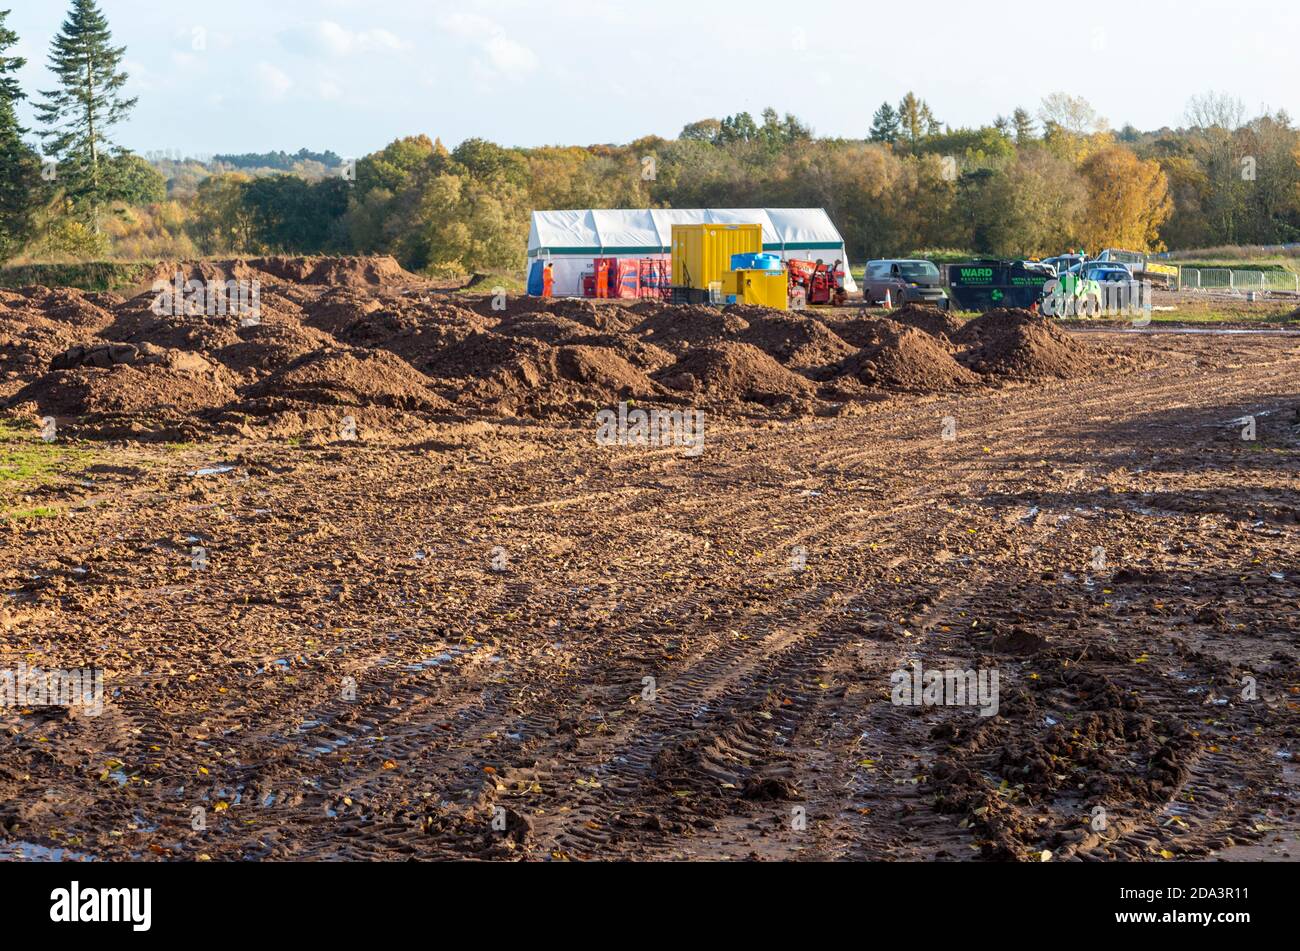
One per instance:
(27, 462)
(32, 515)
(88, 276)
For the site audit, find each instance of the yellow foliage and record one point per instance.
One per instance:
(1128, 201)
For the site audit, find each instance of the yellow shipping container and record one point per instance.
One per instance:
(761, 288)
(702, 253)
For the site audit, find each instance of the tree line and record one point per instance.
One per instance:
(1031, 183)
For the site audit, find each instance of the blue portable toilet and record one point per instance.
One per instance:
(535, 284)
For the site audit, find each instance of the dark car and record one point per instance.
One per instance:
(906, 282)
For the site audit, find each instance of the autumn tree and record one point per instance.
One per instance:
(915, 120)
(1128, 201)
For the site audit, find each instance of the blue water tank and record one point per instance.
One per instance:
(756, 262)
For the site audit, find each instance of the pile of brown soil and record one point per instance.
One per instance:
(1019, 344)
(480, 353)
(338, 377)
(264, 348)
(136, 323)
(933, 320)
(339, 308)
(678, 328)
(67, 306)
(730, 370)
(905, 358)
(28, 342)
(141, 389)
(549, 328)
(558, 381)
(345, 271)
(208, 272)
(800, 343)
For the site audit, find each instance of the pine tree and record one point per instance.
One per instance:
(884, 125)
(20, 184)
(1024, 124)
(78, 116)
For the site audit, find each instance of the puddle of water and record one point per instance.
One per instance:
(213, 470)
(1198, 331)
(31, 852)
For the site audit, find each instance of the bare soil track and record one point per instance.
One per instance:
(567, 651)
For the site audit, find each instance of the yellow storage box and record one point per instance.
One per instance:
(702, 253)
(761, 288)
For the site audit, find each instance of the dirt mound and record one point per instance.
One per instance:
(1022, 345)
(264, 348)
(125, 389)
(339, 308)
(734, 371)
(857, 332)
(209, 272)
(799, 342)
(374, 271)
(28, 342)
(546, 381)
(933, 320)
(480, 353)
(678, 328)
(139, 325)
(547, 327)
(996, 323)
(644, 356)
(905, 358)
(338, 377)
(67, 306)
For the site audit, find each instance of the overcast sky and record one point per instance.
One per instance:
(351, 75)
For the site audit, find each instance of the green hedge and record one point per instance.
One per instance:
(90, 276)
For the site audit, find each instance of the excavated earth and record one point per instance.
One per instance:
(435, 618)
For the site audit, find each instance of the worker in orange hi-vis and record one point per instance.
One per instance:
(548, 281)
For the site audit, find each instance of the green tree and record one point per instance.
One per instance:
(78, 115)
(884, 125)
(20, 183)
(290, 214)
(1023, 124)
(222, 219)
(738, 128)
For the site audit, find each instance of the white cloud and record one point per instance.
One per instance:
(505, 56)
(274, 81)
(334, 39)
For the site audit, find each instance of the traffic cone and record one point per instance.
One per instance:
(889, 300)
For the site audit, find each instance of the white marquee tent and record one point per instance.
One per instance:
(571, 239)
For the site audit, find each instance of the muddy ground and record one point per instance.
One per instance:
(473, 632)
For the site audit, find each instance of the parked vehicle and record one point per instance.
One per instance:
(988, 284)
(905, 281)
(1063, 262)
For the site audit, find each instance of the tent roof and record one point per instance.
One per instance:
(650, 229)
